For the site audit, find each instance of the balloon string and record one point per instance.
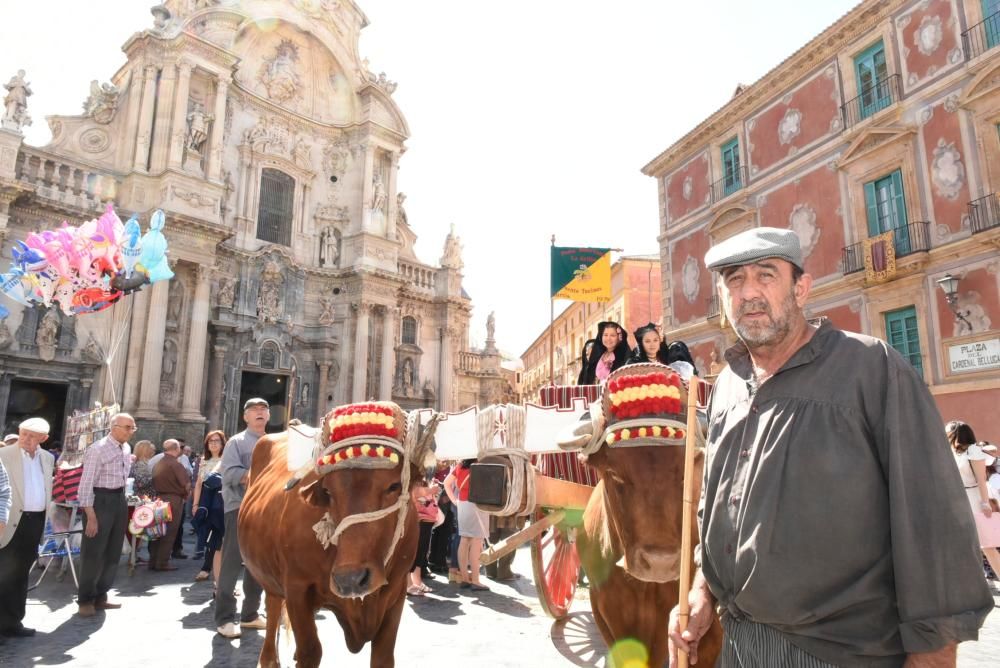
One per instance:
(115, 345)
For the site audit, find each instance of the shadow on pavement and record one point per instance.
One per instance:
(437, 610)
(53, 649)
(577, 638)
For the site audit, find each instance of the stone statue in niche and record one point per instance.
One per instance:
(378, 203)
(305, 394)
(975, 317)
(400, 211)
(47, 335)
(198, 122)
(15, 115)
(175, 300)
(329, 247)
(407, 378)
(227, 292)
(278, 75)
(169, 363)
(269, 295)
(102, 102)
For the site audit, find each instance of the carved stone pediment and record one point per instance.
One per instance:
(872, 139)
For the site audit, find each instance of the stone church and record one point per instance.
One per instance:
(274, 152)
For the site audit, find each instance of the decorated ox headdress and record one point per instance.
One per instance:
(642, 405)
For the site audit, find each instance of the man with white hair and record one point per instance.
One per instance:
(30, 471)
(106, 465)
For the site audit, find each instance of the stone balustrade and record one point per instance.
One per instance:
(64, 181)
(419, 276)
(469, 361)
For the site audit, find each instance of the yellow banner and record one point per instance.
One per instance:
(590, 284)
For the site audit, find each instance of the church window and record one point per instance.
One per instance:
(274, 214)
(410, 330)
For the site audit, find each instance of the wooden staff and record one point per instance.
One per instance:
(687, 551)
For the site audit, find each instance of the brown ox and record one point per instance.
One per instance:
(350, 579)
(630, 547)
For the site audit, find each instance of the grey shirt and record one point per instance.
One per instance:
(235, 464)
(832, 510)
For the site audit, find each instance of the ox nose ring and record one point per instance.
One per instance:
(354, 582)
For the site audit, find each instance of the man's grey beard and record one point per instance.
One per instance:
(758, 335)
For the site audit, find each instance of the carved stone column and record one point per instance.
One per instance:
(321, 389)
(392, 210)
(152, 359)
(342, 392)
(136, 340)
(360, 352)
(367, 188)
(161, 128)
(178, 128)
(194, 374)
(214, 392)
(447, 370)
(218, 128)
(144, 136)
(388, 363)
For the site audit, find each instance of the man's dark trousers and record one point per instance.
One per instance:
(15, 566)
(229, 571)
(99, 556)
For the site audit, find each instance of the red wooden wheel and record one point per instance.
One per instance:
(556, 566)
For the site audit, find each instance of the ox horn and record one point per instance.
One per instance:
(582, 434)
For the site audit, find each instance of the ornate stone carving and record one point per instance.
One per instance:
(279, 74)
(268, 136)
(687, 187)
(6, 338)
(94, 140)
(194, 198)
(168, 370)
(400, 211)
(802, 221)
(47, 335)
(336, 156)
(690, 273)
(328, 315)
(302, 153)
(947, 170)
(92, 351)
(790, 125)
(102, 102)
(382, 81)
(378, 203)
(269, 297)
(197, 129)
(15, 103)
(226, 294)
(452, 257)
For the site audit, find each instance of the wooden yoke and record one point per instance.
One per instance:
(687, 550)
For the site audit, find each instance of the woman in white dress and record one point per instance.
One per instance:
(971, 462)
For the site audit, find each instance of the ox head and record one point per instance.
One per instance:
(361, 479)
(635, 439)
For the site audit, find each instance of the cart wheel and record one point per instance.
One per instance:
(556, 566)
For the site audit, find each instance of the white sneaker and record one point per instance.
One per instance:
(228, 630)
(258, 623)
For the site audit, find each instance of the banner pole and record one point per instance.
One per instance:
(552, 319)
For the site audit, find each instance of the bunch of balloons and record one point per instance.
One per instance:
(88, 268)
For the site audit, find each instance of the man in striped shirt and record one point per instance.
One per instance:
(106, 465)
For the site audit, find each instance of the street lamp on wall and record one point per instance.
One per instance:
(949, 286)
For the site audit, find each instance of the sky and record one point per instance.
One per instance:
(528, 118)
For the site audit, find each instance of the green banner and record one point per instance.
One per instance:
(569, 263)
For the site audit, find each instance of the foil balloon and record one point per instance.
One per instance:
(131, 247)
(153, 257)
(28, 259)
(3, 312)
(12, 286)
(64, 295)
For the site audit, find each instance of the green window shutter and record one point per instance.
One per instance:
(899, 201)
(731, 166)
(871, 73)
(871, 206)
(903, 334)
(991, 22)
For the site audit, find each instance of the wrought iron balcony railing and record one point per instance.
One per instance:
(981, 37)
(733, 180)
(713, 307)
(984, 213)
(873, 99)
(908, 239)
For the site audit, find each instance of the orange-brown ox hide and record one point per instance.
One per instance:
(636, 512)
(281, 550)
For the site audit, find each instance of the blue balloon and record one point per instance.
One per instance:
(154, 250)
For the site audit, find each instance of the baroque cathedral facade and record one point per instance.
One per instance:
(273, 150)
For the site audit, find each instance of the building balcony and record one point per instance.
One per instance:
(981, 37)
(880, 95)
(728, 184)
(984, 213)
(912, 238)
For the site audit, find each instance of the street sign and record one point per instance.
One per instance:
(974, 356)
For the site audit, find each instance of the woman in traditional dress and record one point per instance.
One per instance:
(611, 351)
(971, 462)
(649, 347)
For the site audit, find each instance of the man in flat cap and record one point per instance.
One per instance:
(834, 529)
(235, 471)
(29, 468)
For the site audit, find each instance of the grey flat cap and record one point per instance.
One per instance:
(256, 401)
(753, 245)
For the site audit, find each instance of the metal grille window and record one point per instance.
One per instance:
(274, 214)
(409, 330)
